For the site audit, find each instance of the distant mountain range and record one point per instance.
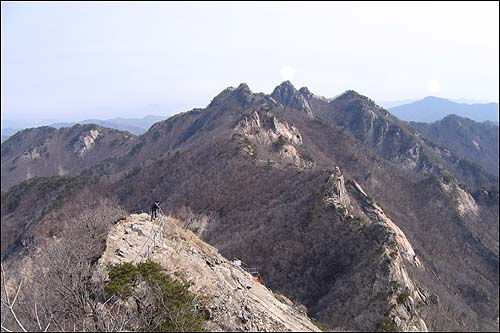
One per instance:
(133, 125)
(432, 108)
(428, 109)
(392, 104)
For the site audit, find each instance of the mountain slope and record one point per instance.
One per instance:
(46, 151)
(8, 132)
(468, 139)
(432, 108)
(394, 140)
(331, 210)
(263, 165)
(232, 299)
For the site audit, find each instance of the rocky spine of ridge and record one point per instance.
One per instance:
(231, 298)
(404, 297)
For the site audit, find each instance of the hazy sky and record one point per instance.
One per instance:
(83, 60)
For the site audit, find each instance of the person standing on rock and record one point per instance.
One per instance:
(155, 208)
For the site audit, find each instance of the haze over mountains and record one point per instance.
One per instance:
(428, 109)
(132, 125)
(433, 108)
(390, 104)
(368, 221)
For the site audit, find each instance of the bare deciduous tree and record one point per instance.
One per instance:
(8, 304)
(65, 279)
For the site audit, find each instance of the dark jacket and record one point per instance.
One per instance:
(155, 207)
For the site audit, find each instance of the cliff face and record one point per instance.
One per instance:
(230, 297)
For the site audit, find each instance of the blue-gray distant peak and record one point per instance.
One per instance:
(431, 108)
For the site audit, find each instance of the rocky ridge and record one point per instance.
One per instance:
(342, 242)
(230, 297)
(405, 297)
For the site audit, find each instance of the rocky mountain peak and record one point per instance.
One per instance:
(349, 94)
(243, 87)
(304, 91)
(287, 95)
(285, 92)
(242, 95)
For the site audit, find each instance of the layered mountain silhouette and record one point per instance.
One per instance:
(432, 108)
(133, 125)
(467, 138)
(343, 207)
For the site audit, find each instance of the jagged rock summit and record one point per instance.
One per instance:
(230, 297)
(287, 95)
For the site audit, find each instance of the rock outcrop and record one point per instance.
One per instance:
(336, 193)
(287, 95)
(406, 296)
(464, 202)
(242, 94)
(377, 215)
(231, 298)
(265, 128)
(85, 142)
(263, 131)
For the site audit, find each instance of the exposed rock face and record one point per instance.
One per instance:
(336, 193)
(85, 142)
(465, 203)
(32, 154)
(287, 95)
(265, 128)
(46, 151)
(405, 296)
(377, 215)
(408, 298)
(394, 295)
(232, 299)
(272, 137)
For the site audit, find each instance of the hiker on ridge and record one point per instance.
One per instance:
(155, 208)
